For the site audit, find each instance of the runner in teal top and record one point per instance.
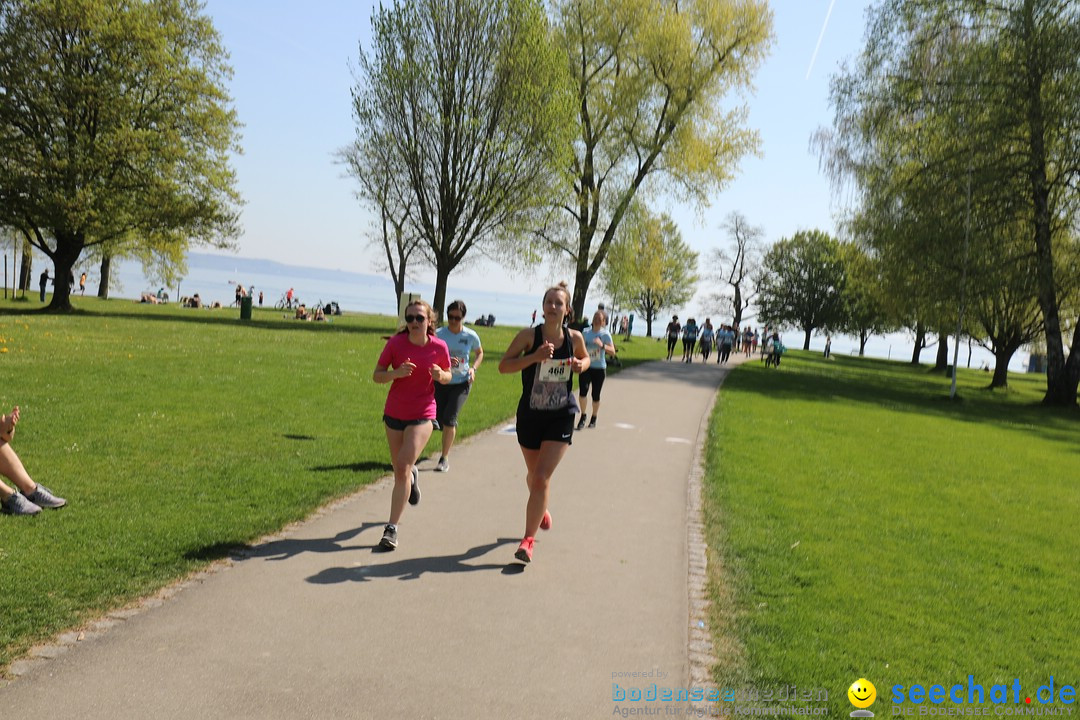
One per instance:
(689, 339)
(450, 398)
(599, 344)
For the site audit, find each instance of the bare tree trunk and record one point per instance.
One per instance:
(1002, 356)
(1061, 376)
(920, 343)
(103, 286)
(438, 302)
(68, 249)
(26, 269)
(738, 305)
(941, 363)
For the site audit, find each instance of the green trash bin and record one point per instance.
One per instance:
(245, 308)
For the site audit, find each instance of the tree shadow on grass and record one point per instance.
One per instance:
(415, 568)
(217, 551)
(903, 388)
(365, 466)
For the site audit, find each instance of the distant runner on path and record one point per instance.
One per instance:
(673, 330)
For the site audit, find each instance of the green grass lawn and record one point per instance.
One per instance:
(863, 525)
(177, 434)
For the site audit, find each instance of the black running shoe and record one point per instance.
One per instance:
(414, 491)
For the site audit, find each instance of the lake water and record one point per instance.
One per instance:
(214, 277)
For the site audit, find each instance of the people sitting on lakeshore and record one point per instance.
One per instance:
(301, 312)
(148, 297)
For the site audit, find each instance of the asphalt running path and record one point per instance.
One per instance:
(318, 623)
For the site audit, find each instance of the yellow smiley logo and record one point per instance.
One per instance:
(862, 693)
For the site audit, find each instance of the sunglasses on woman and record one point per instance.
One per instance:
(415, 318)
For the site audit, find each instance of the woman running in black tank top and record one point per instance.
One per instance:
(546, 356)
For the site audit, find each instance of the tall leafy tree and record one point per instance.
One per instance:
(471, 102)
(651, 264)
(912, 213)
(803, 282)
(1005, 307)
(906, 229)
(114, 123)
(651, 80)
(865, 310)
(1008, 318)
(989, 93)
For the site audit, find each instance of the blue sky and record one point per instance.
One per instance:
(294, 63)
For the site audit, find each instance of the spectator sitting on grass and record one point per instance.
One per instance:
(29, 497)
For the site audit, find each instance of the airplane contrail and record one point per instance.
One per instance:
(821, 37)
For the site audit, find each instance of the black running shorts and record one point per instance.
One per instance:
(396, 424)
(534, 428)
(449, 400)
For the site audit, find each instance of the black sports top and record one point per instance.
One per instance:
(528, 375)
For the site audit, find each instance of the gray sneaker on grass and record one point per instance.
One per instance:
(18, 505)
(43, 497)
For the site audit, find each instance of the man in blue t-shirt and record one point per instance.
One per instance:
(450, 398)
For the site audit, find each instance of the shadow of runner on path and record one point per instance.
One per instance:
(414, 568)
(291, 547)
